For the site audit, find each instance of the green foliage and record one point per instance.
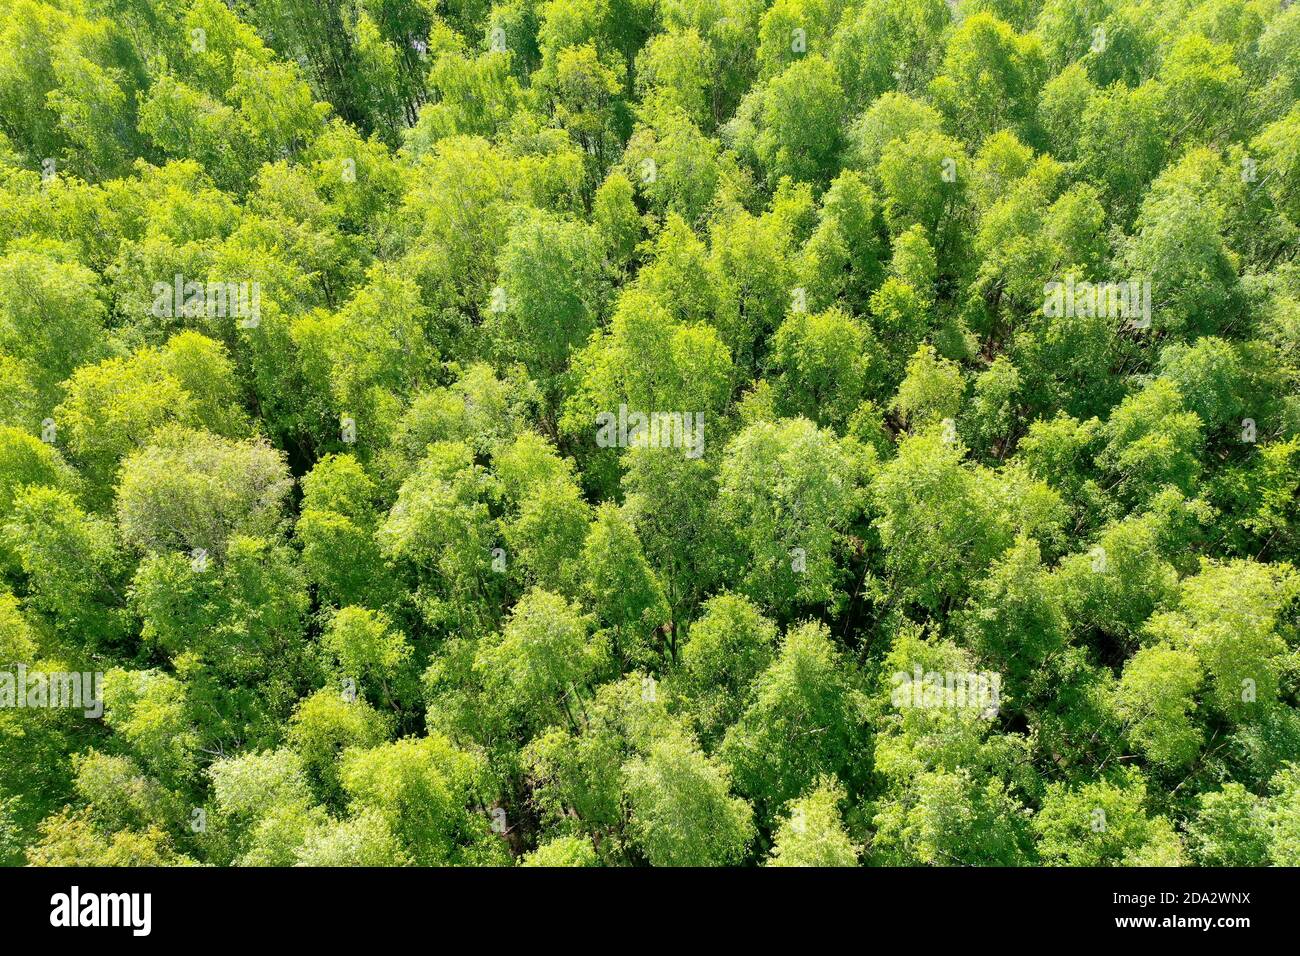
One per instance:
(813, 834)
(803, 720)
(420, 788)
(786, 493)
(326, 330)
(1105, 824)
(682, 813)
(562, 851)
(191, 489)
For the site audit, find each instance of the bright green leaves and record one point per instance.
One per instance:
(1232, 617)
(370, 650)
(190, 489)
(787, 494)
(1154, 699)
(530, 669)
(553, 294)
(939, 523)
(805, 719)
(1152, 441)
(421, 789)
(1105, 824)
(989, 78)
(812, 834)
(823, 362)
(682, 811)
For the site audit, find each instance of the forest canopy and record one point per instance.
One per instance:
(650, 432)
